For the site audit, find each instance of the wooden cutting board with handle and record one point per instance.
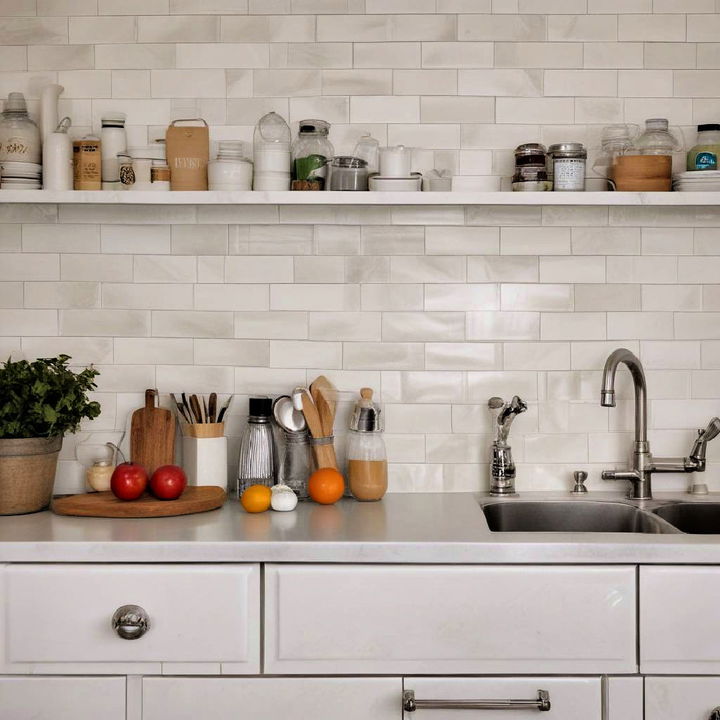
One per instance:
(152, 435)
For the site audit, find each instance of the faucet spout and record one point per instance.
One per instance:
(607, 394)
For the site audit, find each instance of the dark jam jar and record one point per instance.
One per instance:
(530, 154)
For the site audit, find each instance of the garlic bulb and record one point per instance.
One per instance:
(283, 498)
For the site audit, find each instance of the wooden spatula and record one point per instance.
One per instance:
(152, 434)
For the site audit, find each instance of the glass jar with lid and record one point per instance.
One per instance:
(231, 170)
(367, 457)
(311, 152)
(704, 154)
(568, 166)
(271, 153)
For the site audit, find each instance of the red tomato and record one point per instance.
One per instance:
(168, 482)
(128, 481)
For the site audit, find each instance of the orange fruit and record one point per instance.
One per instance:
(326, 486)
(256, 498)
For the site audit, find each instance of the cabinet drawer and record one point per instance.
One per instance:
(358, 619)
(570, 698)
(62, 698)
(679, 620)
(668, 698)
(290, 698)
(197, 613)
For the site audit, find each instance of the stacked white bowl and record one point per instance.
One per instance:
(271, 169)
(395, 174)
(20, 175)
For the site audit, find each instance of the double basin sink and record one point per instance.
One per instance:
(600, 516)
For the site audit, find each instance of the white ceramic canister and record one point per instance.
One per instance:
(205, 461)
(231, 170)
(113, 142)
(395, 161)
(58, 159)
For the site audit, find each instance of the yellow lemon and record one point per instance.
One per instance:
(256, 498)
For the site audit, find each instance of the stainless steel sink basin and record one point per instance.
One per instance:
(575, 516)
(695, 518)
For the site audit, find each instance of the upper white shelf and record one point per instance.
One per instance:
(142, 197)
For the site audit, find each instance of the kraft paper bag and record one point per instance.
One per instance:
(188, 152)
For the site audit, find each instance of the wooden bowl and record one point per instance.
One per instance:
(630, 184)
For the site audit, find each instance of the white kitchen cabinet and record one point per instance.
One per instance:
(367, 619)
(570, 698)
(679, 620)
(681, 698)
(272, 698)
(61, 614)
(62, 698)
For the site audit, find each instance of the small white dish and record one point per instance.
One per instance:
(378, 183)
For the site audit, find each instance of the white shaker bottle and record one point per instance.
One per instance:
(58, 158)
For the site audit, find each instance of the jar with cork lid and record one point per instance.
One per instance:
(367, 458)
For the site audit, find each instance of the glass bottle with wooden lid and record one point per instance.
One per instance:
(367, 458)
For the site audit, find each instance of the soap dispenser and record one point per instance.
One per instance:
(367, 458)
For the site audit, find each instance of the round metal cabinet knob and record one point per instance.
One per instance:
(130, 622)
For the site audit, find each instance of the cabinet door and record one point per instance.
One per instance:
(673, 698)
(367, 619)
(272, 698)
(570, 698)
(60, 614)
(624, 698)
(62, 698)
(679, 620)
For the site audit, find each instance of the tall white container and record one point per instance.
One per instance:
(205, 461)
(57, 155)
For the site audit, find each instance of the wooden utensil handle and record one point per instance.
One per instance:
(150, 398)
(325, 456)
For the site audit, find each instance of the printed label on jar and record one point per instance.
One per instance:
(706, 161)
(569, 174)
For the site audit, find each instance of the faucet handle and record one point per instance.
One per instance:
(711, 431)
(580, 478)
(495, 403)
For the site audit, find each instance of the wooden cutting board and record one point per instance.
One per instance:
(152, 435)
(105, 504)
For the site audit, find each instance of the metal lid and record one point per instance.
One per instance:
(347, 161)
(569, 147)
(260, 406)
(367, 415)
(530, 149)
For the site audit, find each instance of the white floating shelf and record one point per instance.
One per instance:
(142, 197)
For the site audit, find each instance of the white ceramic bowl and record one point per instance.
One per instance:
(377, 183)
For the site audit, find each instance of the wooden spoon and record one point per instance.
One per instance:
(212, 407)
(312, 417)
(324, 395)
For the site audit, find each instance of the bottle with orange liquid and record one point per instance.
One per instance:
(367, 458)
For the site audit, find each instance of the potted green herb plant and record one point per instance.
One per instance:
(40, 401)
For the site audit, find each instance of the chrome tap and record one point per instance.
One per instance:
(502, 468)
(643, 463)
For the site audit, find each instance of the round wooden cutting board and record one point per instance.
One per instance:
(105, 504)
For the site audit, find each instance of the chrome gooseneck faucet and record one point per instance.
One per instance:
(643, 463)
(502, 468)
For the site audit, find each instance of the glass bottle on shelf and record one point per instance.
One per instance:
(367, 458)
(19, 135)
(256, 465)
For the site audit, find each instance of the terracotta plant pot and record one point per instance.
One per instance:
(27, 473)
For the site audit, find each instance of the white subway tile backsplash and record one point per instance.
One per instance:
(147, 295)
(409, 326)
(105, 323)
(513, 28)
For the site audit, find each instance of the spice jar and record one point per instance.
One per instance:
(87, 164)
(367, 458)
(310, 154)
(531, 169)
(568, 166)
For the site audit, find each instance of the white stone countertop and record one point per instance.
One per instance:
(403, 528)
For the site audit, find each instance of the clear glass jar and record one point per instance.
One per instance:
(367, 457)
(704, 155)
(296, 464)
(271, 153)
(657, 139)
(256, 465)
(231, 170)
(311, 152)
(113, 142)
(19, 135)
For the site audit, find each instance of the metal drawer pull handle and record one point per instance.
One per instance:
(410, 704)
(130, 622)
